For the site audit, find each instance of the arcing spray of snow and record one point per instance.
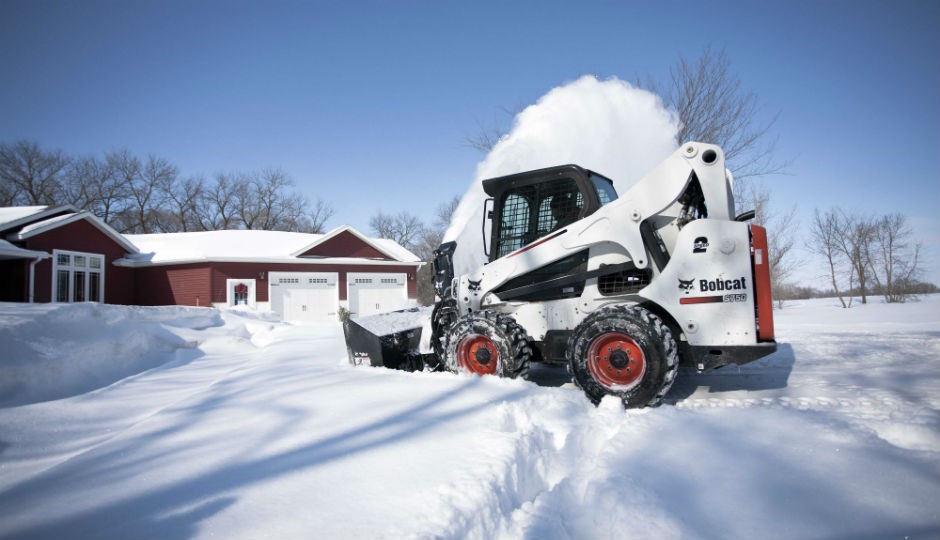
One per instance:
(607, 126)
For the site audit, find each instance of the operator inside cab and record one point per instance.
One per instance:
(565, 209)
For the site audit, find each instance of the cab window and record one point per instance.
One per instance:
(530, 212)
(605, 189)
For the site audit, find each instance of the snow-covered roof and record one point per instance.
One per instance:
(15, 213)
(43, 225)
(22, 222)
(214, 245)
(9, 251)
(249, 246)
(13, 217)
(395, 249)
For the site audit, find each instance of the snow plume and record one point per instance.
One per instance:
(607, 126)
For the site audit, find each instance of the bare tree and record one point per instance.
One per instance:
(91, 185)
(894, 261)
(217, 205)
(714, 107)
(146, 196)
(825, 233)
(30, 175)
(258, 199)
(404, 228)
(433, 234)
(264, 201)
(290, 214)
(182, 198)
(126, 169)
(488, 135)
(317, 216)
(869, 250)
(445, 211)
(142, 180)
(855, 239)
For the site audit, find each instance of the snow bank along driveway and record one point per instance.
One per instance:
(120, 422)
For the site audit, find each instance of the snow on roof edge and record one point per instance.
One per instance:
(39, 227)
(253, 245)
(9, 250)
(136, 262)
(13, 217)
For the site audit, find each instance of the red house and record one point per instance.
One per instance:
(64, 255)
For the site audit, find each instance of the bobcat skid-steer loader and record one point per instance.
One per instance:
(619, 288)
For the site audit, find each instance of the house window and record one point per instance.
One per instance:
(77, 277)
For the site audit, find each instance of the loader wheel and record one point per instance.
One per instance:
(487, 343)
(442, 317)
(624, 351)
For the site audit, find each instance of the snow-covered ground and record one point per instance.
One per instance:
(120, 422)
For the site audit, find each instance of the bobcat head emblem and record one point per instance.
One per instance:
(686, 285)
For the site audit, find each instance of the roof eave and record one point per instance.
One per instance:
(88, 216)
(46, 213)
(130, 263)
(339, 230)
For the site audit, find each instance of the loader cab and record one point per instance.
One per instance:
(534, 204)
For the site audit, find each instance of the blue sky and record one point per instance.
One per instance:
(366, 104)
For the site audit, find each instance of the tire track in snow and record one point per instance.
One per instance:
(555, 445)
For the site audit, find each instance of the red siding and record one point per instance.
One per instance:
(83, 236)
(184, 285)
(345, 244)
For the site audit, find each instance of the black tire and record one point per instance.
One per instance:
(624, 351)
(487, 343)
(442, 317)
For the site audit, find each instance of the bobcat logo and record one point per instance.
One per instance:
(686, 285)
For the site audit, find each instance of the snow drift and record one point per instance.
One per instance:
(92, 346)
(607, 126)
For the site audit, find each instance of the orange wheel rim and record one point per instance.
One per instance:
(478, 354)
(616, 361)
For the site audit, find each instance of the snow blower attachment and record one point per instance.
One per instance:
(620, 288)
(389, 340)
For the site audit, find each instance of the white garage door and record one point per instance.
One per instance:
(376, 293)
(305, 296)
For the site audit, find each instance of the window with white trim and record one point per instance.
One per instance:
(77, 276)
